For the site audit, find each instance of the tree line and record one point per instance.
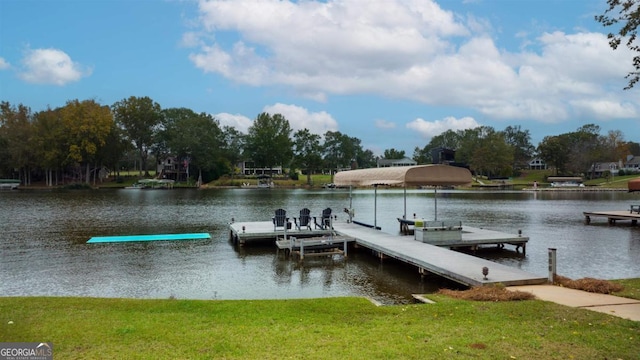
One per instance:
(504, 153)
(73, 143)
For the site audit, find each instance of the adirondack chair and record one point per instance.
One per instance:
(280, 220)
(304, 220)
(325, 220)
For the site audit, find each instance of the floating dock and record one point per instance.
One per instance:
(613, 216)
(157, 237)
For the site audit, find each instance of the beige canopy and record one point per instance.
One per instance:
(419, 175)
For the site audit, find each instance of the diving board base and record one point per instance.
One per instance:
(157, 237)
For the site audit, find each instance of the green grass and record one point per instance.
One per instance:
(335, 328)
(631, 288)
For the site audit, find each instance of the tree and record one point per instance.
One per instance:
(50, 142)
(585, 149)
(394, 154)
(366, 159)
(233, 143)
(17, 131)
(615, 148)
(196, 137)
(628, 15)
(306, 152)
(113, 154)
(268, 142)
(634, 148)
(339, 150)
(449, 139)
(139, 118)
(493, 156)
(87, 125)
(554, 150)
(520, 142)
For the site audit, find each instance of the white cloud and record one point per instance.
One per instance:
(51, 66)
(190, 39)
(4, 64)
(383, 124)
(605, 109)
(237, 121)
(300, 118)
(429, 129)
(412, 50)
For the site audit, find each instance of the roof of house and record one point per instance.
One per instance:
(396, 161)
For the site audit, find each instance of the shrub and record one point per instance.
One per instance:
(589, 284)
(487, 293)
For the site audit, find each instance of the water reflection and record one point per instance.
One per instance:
(44, 252)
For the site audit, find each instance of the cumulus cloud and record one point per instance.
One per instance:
(429, 129)
(413, 50)
(51, 66)
(300, 118)
(383, 124)
(4, 64)
(605, 109)
(239, 122)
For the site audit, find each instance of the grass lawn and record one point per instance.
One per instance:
(335, 328)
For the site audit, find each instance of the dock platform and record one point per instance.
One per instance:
(245, 232)
(613, 216)
(474, 238)
(459, 267)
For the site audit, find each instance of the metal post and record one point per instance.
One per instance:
(375, 206)
(435, 201)
(552, 264)
(350, 204)
(405, 203)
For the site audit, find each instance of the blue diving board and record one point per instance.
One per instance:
(158, 237)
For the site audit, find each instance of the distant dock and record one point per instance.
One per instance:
(613, 216)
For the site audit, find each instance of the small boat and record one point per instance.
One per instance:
(264, 182)
(152, 184)
(634, 185)
(9, 184)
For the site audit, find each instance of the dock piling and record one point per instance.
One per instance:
(552, 265)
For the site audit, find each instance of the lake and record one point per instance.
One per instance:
(43, 238)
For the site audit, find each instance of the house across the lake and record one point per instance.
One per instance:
(395, 162)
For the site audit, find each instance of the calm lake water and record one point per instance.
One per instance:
(43, 236)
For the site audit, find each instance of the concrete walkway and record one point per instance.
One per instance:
(608, 304)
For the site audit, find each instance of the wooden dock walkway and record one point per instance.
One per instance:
(612, 216)
(462, 268)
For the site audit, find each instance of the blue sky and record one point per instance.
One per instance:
(391, 73)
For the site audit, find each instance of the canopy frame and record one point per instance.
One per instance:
(418, 175)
